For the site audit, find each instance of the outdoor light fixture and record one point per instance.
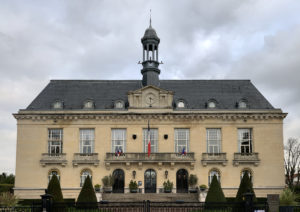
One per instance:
(166, 174)
(134, 136)
(165, 136)
(133, 174)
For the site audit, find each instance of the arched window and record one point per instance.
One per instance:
(88, 104)
(211, 104)
(57, 105)
(53, 172)
(212, 173)
(84, 174)
(119, 104)
(242, 104)
(249, 174)
(181, 104)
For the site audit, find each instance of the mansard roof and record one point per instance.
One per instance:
(104, 93)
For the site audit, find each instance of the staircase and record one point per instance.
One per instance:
(161, 197)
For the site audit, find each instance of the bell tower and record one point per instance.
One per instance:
(150, 63)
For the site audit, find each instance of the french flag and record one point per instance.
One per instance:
(183, 152)
(118, 152)
(149, 140)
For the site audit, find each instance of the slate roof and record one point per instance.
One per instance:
(195, 93)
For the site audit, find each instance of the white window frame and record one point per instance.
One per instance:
(87, 141)
(118, 135)
(245, 142)
(211, 104)
(53, 172)
(249, 174)
(213, 141)
(84, 175)
(153, 138)
(88, 104)
(211, 175)
(57, 105)
(181, 104)
(55, 144)
(179, 140)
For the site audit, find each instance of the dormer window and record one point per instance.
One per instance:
(242, 104)
(181, 104)
(119, 104)
(57, 105)
(88, 104)
(211, 104)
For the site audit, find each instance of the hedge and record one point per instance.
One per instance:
(6, 187)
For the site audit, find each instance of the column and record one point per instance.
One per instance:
(152, 51)
(157, 53)
(147, 51)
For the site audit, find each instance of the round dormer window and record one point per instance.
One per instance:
(242, 104)
(57, 105)
(88, 105)
(119, 105)
(180, 104)
(211, 104)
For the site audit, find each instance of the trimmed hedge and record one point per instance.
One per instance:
(29, 202)
(215, 192)
(6, 187)
(87, 197)
(55, 190)
(245, 187)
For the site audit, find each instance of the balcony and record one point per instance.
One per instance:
(159, 158)
(82, 158)
(246, 158)
(57, 158)
(214, 158)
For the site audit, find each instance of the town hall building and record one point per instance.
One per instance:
(80, 128)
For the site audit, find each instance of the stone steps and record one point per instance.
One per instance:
(161, 197)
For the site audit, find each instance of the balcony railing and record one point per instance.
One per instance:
(82, 158)
(214, 158)
(50, 158)
(246, 158)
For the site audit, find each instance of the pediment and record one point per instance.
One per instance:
(150, 97)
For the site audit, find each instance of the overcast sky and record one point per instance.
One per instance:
(70, 39)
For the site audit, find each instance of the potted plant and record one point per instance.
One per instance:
(107, 181)
(97, 187)
(133, 186)
(168, 186)
(203, 187)
(193, 179)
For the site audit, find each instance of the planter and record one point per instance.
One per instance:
(168, 190)
(133, 190)
(97, 189)
(202, 189)
(193, 190)
(107, 189)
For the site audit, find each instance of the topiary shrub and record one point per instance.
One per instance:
(87, 197)
(215, 193)
(55, 190)
(245, 187)
(168, 186)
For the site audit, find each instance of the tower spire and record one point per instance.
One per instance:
(150, 18)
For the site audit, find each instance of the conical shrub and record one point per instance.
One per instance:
(245, 187)
(215, 193)
(87, 197)
(55, 190)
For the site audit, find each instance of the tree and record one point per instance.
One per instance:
(55, 190)
(7, 179)
(87, 197)
(292, 161)
(245, 187)
(215, 192)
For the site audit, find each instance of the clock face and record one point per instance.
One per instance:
(150, 99)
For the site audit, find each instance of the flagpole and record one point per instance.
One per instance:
(149, 139)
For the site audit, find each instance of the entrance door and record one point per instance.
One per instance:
(118, 186)
(182, 181)
(150, 181)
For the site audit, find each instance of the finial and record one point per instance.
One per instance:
(150, 18)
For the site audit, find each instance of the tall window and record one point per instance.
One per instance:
(55, 139)
(153, 138)
(245, 140)
(118, 140)
(212, 173)
(213, 137)
(87, 139)
(84, 175)
(249, 174)
(51, 173)
(182, 137)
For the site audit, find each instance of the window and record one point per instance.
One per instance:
(88, 104)
(182, 140)
(212, 173)
(213, 137)
(242, 104)
(87, 141)
(211, 104)
(57, 105)
(51, 173)
(153, 139)
(245, 140)
(84, 175)
(249, 173)
(119, 104)
(180, 104)
(118, 137)
(55, 139)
